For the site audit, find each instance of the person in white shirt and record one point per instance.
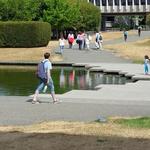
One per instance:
(61, 44)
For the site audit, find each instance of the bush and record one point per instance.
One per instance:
(24, 34)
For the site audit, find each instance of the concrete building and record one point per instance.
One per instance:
(112, 8)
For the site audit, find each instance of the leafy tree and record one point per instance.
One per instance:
(60, 14)
(90, 16)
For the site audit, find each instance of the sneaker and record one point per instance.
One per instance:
(35, 102)
(56, 101)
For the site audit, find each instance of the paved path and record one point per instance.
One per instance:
(79, 56)
(131, 99)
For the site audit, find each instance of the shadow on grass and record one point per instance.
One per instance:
(57, 141)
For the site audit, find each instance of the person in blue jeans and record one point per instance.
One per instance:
(48, 81)
(146, 64)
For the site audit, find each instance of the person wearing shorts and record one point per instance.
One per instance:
(48, 81)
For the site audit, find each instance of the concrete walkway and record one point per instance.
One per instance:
(131, 99)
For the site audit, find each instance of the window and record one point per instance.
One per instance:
(136, 2)
(129, 2)
(97, 2)
(110, 2)
(123, 2)
(143, 2)
(104, 2)
(117, 2)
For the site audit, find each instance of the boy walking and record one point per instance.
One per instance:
(44, 75)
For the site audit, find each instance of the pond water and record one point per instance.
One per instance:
(21, 81)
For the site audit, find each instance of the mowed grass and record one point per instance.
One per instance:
(29, 54)
(143, 122)
(125, 127)
(132, 50)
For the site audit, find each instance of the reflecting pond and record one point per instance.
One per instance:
(21, 81)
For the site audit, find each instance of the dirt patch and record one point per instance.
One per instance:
(73, 136)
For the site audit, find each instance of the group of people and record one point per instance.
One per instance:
(83, 40)
(62, 41)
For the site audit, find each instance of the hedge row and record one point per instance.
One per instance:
(24, 34)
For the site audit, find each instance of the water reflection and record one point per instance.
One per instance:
(72, 78)
(84, 79)
(23, 81)
(62, 79)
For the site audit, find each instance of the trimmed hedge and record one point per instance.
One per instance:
(24, 34)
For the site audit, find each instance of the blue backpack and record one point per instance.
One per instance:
(40, 73)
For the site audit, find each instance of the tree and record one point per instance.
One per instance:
(60, 14)
(90, 16)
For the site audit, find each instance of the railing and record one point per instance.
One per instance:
(125, 9)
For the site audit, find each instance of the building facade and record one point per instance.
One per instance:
(111, 8)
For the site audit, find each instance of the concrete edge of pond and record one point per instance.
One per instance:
(131, 99)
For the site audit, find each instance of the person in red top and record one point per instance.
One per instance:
(70, 39)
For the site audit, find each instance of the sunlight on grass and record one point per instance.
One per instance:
(131, 50)
(111, 128)
(143, 122)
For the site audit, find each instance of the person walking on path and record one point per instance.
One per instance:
(97, 40)
(139, 31)
(125, 34)
(80, 40)
(70, 39)
(100, 40)
(61, 44)
(146, 64)
(88, 38)
(44, 75)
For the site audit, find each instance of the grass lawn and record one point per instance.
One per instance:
(143, 122)
(29, 54)
(132, 50)
(61, 135)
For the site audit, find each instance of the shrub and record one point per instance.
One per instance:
(24, 34)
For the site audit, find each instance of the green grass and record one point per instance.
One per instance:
(143, 122)
(138, 61)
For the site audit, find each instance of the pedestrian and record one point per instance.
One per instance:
(70, 39)
(139, 31)
(88, 38)
(100, 40)
(61, 44)
(84, 40)
(44, 75)
(146, 64)
(125, 34)
(97, 40)
(79, 40)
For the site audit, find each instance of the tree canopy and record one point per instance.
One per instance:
(61, 14)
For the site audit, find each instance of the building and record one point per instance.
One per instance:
(112, 8)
